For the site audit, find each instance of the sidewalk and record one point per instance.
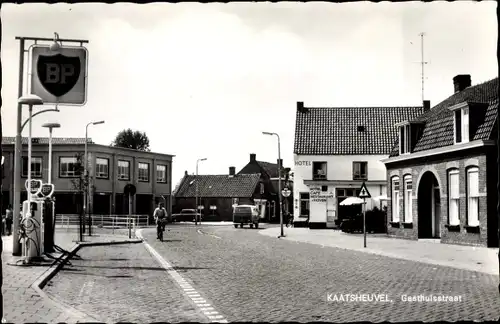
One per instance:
(23, 301)
(463, 257)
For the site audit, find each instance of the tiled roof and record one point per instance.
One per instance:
(45, 140)
(270, 168)
(438, 129)
(219, 186)
(334, 131)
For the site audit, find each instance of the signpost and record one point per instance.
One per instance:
(286, 192)
(59, 77)
(364, 193)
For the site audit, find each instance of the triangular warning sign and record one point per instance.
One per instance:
(364, 193)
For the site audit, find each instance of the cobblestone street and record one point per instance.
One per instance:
(251, 277)
(121, 283)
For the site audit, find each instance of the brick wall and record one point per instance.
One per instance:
(485, 161)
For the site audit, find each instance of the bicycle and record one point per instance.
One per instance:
(160, 228)
(289, 222)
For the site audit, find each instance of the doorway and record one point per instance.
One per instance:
(429, 207)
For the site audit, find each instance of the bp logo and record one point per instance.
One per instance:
(58, 74)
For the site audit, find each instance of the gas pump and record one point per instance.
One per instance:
(38, 229)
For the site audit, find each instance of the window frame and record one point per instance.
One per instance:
(97, 164)
(24, 162)
(360, 163)
(164, 180)
(449, 173)
(395, 206)
(463, 127)
(118, 167)
(318, 176)
(75, 173)
(404, 139)
(408, 199)
(468, 172)
(308, 200)
(148, 168)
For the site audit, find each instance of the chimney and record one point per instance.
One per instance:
(252, 157)
(300, 107)
(461, 81)
(427, 105)
(185, 173)
(232, 171)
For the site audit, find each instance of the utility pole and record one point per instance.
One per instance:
(422, 62)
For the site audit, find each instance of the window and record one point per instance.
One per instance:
(324, 188)
(404, 139)
(304, 204)
(395, 199)
(361, 128)
(161, 173)
(143, 172)
(68, 167)
(102, 168)
(319, 170)
(462, 125)
(123, 170)
(473, 196)
(36, 167)
(408, 199)
(359, 170)
(261, 188)
(453, 198)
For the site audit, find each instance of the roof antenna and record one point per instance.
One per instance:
(422, 62)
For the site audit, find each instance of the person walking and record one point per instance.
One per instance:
(159, 215)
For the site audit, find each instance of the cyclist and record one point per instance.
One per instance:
(159, 215)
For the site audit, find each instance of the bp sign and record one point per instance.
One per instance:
(59, 77)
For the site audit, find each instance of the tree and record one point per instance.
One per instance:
(128, 138)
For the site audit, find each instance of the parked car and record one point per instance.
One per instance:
(246, 214)
(187, 215)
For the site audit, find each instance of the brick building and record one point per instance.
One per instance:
(216, 193)
(267, 198)
(110, 169)
(442, 172)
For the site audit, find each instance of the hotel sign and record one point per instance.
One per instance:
(303, 163)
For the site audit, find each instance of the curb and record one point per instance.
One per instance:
(42, 281)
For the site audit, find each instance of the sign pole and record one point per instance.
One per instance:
(364, 221)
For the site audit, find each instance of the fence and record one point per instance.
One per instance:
(115, 224)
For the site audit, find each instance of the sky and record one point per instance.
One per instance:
(204, 80)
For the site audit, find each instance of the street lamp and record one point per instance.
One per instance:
(85, 176)
(50, 126)
(196, 200)
(279, 180)
(30, 100)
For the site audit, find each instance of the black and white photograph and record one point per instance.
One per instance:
(250, 162)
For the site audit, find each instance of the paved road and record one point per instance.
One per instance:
(246, 276)
(122, 283)
(249, 277)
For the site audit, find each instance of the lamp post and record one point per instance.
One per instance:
(196, 199)
(50, 126)
(16, 249)
(30, 100)
(85, 175)
(279, 180)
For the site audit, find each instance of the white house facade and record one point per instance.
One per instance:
(335, 151)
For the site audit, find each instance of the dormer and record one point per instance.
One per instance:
(409, 133)
(467, 116)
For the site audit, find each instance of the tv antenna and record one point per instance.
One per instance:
(422, 62)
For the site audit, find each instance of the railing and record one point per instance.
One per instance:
(103, 221)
